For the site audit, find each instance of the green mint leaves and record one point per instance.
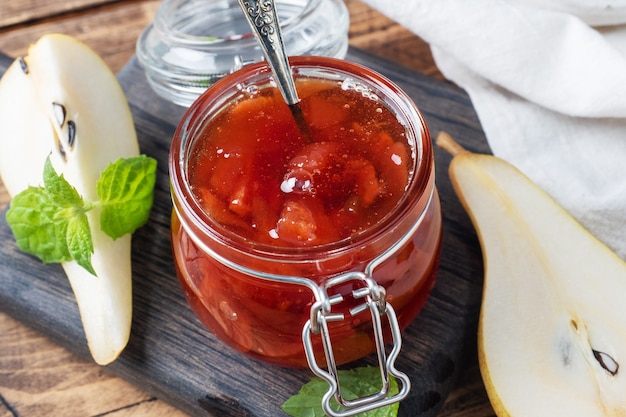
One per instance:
(51, 222)
(354, 383)
(125, 190)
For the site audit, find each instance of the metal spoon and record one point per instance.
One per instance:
(263, 19)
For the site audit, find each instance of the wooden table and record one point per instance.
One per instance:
(40, 378)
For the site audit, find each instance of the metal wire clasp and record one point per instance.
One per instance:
(373, 296)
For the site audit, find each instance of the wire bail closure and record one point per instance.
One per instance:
(375, 301)
(321, 314)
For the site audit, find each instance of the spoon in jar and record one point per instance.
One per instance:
(263, 19)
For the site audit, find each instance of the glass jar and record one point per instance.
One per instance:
(193, 43)
(285, 290)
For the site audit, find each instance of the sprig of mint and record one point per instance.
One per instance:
(51, 222)
(355, 383)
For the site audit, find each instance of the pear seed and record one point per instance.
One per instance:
(71, 133)
(23, 65)
(60, 149)
(607, 362)
(59, 113)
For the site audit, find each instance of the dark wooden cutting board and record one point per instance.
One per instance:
(174, 358)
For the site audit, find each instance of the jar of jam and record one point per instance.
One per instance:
(305, 248)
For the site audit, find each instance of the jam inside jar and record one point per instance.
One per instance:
(265, 215)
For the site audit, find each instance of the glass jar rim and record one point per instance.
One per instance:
(420, 181)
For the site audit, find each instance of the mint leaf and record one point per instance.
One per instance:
(59, 189)
(37, 229)
(355, 383)
(79, 241)
(125, 190)
(50, 222)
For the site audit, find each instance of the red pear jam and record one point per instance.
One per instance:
(260, 205)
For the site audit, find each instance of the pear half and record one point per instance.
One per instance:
(62, 100)
(552, 329)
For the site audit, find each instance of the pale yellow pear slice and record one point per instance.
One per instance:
(25, 132)
(62, 100)
(552, 332)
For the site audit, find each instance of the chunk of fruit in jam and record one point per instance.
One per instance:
(252, 171)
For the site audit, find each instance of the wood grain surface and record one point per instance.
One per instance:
(37, 377)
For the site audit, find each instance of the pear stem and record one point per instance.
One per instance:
(447, 143)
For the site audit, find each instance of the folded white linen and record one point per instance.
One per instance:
(548, 82)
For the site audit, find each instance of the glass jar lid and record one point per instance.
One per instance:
(192, 44)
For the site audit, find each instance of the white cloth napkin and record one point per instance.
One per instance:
(548, 81)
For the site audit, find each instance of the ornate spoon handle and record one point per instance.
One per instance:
(262, 17)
